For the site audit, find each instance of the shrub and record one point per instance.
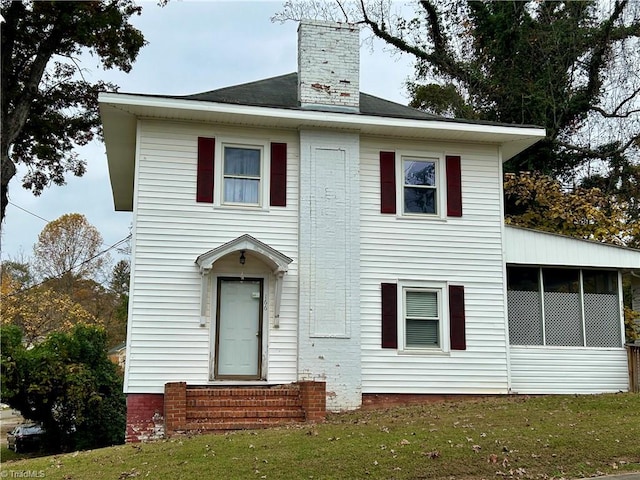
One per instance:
(68, 384)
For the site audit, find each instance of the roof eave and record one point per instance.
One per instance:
(120, 112)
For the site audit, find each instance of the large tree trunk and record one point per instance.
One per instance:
(8, 171)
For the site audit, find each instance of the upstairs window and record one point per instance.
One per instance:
(242, 175)
(427, 187)
(420, 192)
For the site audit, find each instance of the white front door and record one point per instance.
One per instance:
(239, 328)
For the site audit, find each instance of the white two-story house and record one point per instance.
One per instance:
(295, 231)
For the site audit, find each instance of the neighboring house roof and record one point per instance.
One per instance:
(534, 247)
(273, 103)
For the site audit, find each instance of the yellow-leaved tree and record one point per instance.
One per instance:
(63, 286)
(39, 310)
(537, 201)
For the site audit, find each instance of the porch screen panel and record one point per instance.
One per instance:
(525, 306)
(562, 310)
(602, 309)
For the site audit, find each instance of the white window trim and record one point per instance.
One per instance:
(440, 186)
(265, 172)
(443, 313)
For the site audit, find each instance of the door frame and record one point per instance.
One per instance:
(261, 309)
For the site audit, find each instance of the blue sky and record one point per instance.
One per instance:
(193, 47)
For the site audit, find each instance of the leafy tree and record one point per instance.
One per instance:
(67, 249)
(47, 104)
(68, 384)
(40, 310)
(540, 202)
(566, 65)
(569, 66)
(120, 288)
(67, 262)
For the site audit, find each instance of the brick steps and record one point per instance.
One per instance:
(251, 412)
(201, 409)
(214, 409)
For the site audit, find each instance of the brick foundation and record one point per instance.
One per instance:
(145, 419)
(384, 400)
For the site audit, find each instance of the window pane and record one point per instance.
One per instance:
(422, 333)
(419, 172)
(242, 161)
(419, 200)
(600, 281)
(240, 190)
(523, 279)
(422, 304)
(561, 280)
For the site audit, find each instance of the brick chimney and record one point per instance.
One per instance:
(329, 66)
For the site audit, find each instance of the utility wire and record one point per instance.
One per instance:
(38, 216)
(27, 211)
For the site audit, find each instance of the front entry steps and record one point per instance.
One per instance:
(199, 409)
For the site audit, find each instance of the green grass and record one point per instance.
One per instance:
(549, 437)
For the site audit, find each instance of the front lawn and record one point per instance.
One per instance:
(549, 437)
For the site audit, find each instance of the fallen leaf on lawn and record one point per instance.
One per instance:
(434, 454)
(493, 458)
(476, 448)
(404, 441)
(131, 474)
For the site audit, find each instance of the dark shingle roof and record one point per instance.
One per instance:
(282, 92)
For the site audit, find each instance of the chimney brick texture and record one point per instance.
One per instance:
(329, 65)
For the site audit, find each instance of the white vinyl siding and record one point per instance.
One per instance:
(166, 341)
(558, 370)
(461, 251)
